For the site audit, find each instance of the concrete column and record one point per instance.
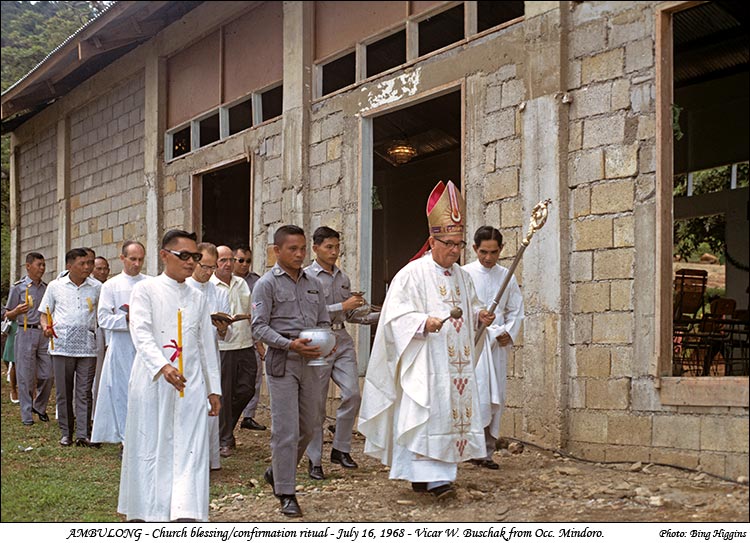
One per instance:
(545, 275)
(63, 191)
(14, 226)
(153, 153)
(298, 58)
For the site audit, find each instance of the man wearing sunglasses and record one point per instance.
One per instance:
(243, 259)
(165, 466)
(238, 363)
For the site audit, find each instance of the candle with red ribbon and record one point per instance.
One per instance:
(179, 346)
(51, 328)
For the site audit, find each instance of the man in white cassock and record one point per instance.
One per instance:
(492, 366)
(218, 302)
(165, 471)
(420, 404)
(113, 316)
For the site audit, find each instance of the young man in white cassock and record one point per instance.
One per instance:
(113, 316)
(218, 302)
(165, 471)
(492, 366)
(420, 404)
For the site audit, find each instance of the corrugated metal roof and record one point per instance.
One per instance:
(710, 39)
(63, 44)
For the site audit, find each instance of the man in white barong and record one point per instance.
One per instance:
(492, 366)
(218, 302)
(113, 316)
(165, 472)
(420, 404)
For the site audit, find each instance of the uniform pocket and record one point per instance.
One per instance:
(275, 362)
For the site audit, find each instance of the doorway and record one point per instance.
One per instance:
(225, 205)
(430, 134)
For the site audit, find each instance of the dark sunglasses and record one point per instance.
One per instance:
(242, 260)
(186, 255)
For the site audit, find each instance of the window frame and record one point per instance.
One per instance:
(411, 25)
(675, 391)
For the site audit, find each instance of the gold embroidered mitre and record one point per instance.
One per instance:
(445, 210)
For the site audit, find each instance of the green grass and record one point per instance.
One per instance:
(51, 483)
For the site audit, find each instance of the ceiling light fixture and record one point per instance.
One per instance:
(401, 152)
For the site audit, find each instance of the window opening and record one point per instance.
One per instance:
(339, 73)
(181, 142)
(209, 129)
(272, 102)
(491, 14)
(240, 117)
(387, 53)
(441, 29)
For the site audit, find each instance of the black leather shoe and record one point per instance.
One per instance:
(485, 463)
(86, 442)
(65, 441)
(268, 476)
(444, 491)
(250, 423)
(419, 487)
(28, 423)
(44, 417)
(289, 506)
(316, 472)
(342, 458)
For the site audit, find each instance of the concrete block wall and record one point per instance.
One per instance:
(501, 198)
(603, 151)
(333, 179)
(615, 412)
(107, 189)
(37, 205)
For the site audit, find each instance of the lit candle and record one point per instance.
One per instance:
(179, 346)
(26, 315)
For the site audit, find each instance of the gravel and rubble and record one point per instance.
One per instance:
(532, 485)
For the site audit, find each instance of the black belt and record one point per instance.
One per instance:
(37, 326)
(289, 336)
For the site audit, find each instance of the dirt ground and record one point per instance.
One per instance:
(532, 486)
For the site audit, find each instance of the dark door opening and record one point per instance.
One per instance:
(399, 224)
(226, 206)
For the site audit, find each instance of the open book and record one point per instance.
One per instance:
(223, 317)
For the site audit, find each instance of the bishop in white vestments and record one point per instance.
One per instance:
(165, 471)
(113, 316)
(420, 404)
(492, 366)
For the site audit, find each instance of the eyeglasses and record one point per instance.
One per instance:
(207, 267)
(186, 255)
(242, 260)
(452, 244)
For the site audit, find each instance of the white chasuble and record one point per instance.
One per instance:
(420, 393)
(492, 364)
(165, 471)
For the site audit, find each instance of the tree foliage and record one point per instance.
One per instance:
(695, 235)
(29, 32)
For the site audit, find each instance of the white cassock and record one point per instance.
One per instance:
(492, 365)
(420, 406)
(217, 301)
(165, 471)
(112, 397)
